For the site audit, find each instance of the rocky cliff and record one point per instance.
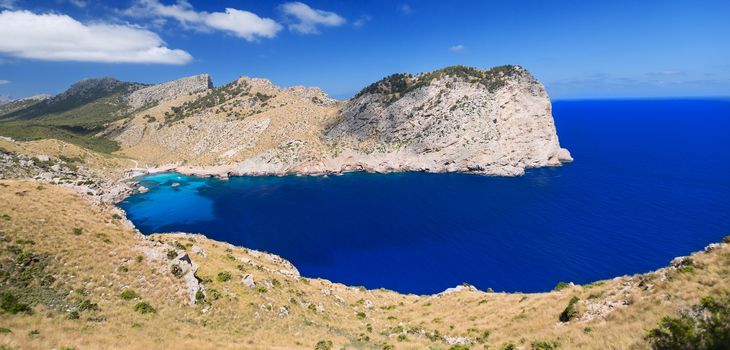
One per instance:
(170, 90)
(496, 121)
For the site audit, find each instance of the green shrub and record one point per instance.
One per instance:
(176, 270)
(144, 308)
(4, 330)
(128, 294)
(9, 303)
(570, 312)
(224, 276)
(561, 286)
(459, 347)
(402, 337)
(87, 305)
(482, 338)
(123, 268)
(726, 239)
(171, 254)
(508, 346)
(705, 326)
(32, 333)
(544, 345)
(77, 231)
(323, 345)
(360, 315)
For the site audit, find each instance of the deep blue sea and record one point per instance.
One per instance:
(650, 181)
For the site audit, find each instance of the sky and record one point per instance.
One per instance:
(577, 49)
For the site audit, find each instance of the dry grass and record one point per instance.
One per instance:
(248, 318)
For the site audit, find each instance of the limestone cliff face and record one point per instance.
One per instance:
(169, 90)
(495, 121)
(457, 119)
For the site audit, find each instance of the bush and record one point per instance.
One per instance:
(726, 239)
(176, 270)
(171, 254)
(360, 315)
(144, 308)
(77, 231)
(128, 294)
(481, 339)
(459, 347)
(323, 345)
(544, 345)
(87, 305)
(9, 303)
(561, 286)
(508, 346)
(224, 276)
(4, 330)
(570, 312)
(705, 326)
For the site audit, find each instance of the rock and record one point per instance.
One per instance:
(142, 189)
(248, 281)
(368, 304)
(169, 90)
(283, 311)
(199, 251)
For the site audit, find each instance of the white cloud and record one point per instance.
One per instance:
(240, 23)
(78, 3)
(361, 21)
(7, 4)
(58, 37)
(457, 48)
(308, 19)
(3, 82)
(404, 9)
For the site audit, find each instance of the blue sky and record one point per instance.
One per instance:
(578, 49)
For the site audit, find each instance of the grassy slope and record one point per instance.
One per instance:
(75, 120)
(87, 267)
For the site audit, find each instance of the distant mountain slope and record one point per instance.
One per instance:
(79, 113)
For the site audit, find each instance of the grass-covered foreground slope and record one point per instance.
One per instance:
(75, 275)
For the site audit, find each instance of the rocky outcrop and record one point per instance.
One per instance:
(495, 121)
(169, 90)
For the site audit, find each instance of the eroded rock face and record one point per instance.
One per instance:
(169, 90)
(495, 121)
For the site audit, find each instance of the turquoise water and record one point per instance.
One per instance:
(651, 181)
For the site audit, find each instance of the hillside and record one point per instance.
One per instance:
(74, 274)
(496, 122)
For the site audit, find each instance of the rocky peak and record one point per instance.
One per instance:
(170, 90)
(495, 121)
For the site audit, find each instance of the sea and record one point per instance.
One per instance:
(650, 182)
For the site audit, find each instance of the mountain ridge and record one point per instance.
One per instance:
(493, 121)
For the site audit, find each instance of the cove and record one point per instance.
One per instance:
(651, 181)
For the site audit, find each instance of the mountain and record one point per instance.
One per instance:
(496, 122)
(78, 114)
